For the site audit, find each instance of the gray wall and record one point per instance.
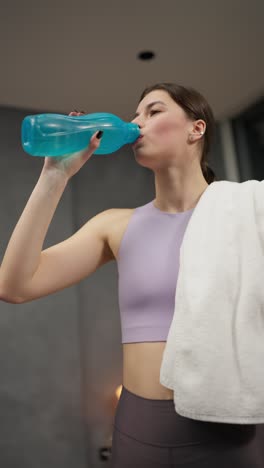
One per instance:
(41, 421)
(61, 356)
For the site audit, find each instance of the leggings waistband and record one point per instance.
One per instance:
(156, 422)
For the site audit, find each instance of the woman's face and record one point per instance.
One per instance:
(164, 130)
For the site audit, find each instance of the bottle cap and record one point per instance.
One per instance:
(133, 132)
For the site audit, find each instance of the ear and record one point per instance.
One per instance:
(198, 127)
(197, 130)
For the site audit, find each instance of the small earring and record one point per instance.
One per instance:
(201, 133)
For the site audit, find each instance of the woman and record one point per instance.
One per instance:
(176, 130)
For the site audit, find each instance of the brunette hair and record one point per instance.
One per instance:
(196, 107)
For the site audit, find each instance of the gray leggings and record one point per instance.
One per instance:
(150, 434)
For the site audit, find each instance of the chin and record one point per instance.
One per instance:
(149, 162)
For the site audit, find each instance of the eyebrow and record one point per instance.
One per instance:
(150, 105)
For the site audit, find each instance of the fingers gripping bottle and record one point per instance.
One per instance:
(58, 134)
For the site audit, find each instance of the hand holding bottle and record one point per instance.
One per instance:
(70, 164)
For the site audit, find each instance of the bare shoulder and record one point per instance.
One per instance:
(117, 220)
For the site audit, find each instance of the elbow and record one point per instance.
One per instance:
(10, 298)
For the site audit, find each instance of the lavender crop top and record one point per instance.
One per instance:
(148, 264)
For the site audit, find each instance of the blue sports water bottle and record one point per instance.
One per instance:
(58, 135)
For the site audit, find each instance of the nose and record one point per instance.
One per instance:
(136, 121)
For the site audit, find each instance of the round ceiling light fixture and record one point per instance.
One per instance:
(146, 55)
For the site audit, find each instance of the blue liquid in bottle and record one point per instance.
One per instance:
(58, 134)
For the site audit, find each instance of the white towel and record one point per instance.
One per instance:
(214, 355)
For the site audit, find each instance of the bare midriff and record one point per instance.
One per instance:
(141, 361)
(141, 370)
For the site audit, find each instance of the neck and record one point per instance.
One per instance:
(177, 191)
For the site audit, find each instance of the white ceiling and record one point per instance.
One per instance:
(57, 56)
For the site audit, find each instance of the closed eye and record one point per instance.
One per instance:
(152, 112)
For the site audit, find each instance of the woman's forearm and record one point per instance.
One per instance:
(22, 256)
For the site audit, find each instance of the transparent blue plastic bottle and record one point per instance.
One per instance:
(58, 134)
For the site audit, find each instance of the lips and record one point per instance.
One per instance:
(137, 140)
